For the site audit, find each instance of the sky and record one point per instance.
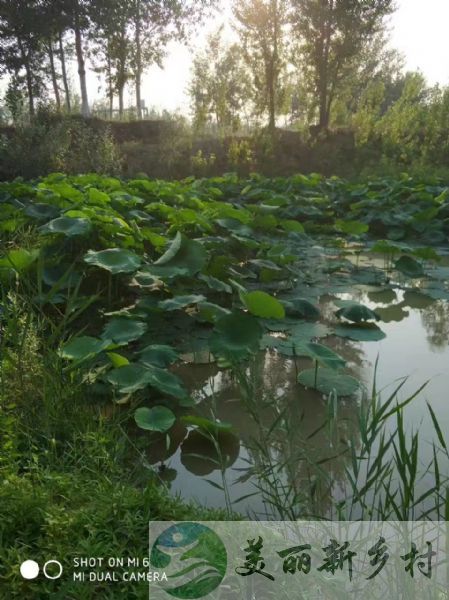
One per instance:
(419, 30)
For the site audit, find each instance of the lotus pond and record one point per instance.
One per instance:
(275, 347)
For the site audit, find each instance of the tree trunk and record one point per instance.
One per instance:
(326, 34)
(110, 89)
(272, 104)
(64, 73)
(138, 74)
(29, 77)
(120, 100)
(85, 111)
(54, 78)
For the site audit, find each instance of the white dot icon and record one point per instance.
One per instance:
(29, 569)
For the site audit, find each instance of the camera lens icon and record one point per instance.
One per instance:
(29, 569)
(52, 569)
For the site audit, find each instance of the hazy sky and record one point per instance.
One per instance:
(419, 31)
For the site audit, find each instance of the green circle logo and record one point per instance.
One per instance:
(193, 557)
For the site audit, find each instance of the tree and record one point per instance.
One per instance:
(331, 35)
(219, 85)
(21, 50)
(155, 24)
(262, 28)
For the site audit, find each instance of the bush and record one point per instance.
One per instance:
(55, 143)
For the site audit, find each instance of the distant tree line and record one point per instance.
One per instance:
(122, 38)
(292, 56)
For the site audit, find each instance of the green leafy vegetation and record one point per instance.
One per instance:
(105, 319)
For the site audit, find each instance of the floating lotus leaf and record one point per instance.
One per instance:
(306, 331)
(122, 330)
(180, 302)
(82, 348)
(158, 356)
(166, 383)
(184, 257)
(329, 381)
(263, 305)
(67, 226)
(206, 424)
(303, 308)
(236, 335)
(324, 355)
(114, 260)
(366, 333)
(158, 418)
(409, 266)
(130, 378)
(357, 313)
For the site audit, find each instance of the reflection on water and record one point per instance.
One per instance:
(282, 430)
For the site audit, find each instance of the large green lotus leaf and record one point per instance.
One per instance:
(114, 260)
(17, 261)
(236, 335)
(352, 227)
(82, 348)
(206, 425)
(180, 302)
(215, 284)
(67, 226)
(303, 308)
(166, 383)
(285, 346)
(303, 331)
(130, 378)
(329, 381)
(360, 333)
(357, 313)
(117, 360)
(426, 253)
(236, 227)
(324, 355)
(385, 247)
(158, 356)
(98, 197)
(210, 313)
(122, 330)
(409, 266)
(292, 226)
(62, 276)
(263, 305)
(42, 212)
(184, 257)
(158, 418)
